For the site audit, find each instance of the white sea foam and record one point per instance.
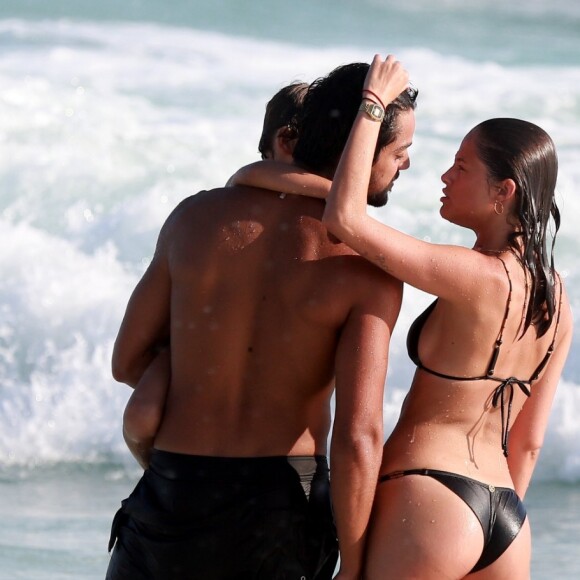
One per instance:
(106, 128)
(60, 309)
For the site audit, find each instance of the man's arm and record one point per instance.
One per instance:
(145, 326)
(357, 437)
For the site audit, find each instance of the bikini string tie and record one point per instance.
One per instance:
(499, 397)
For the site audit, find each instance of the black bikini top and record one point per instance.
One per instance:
(499, 394)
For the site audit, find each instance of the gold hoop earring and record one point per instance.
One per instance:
(500, 207)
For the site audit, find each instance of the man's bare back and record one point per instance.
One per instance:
(268, 316)
(259, 295)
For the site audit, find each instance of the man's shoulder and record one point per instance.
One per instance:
(203, 200)
(359, 268)
(245, 202)
(187, 212)
(240, 195)
(355, 277)
(201, 197)
(213, 208)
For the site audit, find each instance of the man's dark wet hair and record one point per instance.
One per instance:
(281, 111)
(328, 113)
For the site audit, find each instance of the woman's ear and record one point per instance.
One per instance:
(505, 196)
(506, 191)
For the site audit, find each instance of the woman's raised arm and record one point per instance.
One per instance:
(442, 270)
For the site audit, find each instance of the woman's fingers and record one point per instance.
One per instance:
(386, 78)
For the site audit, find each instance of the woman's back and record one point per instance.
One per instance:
(468, 350)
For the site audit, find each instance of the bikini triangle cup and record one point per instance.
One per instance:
(503, 394)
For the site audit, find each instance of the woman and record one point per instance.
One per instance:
(489, 351)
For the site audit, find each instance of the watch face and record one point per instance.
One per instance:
(376, 112)
(373, 110)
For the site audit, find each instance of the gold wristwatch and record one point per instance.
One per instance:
(374, 111)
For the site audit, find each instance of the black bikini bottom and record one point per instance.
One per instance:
(499, 510)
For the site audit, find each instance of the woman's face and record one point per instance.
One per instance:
(467, 193)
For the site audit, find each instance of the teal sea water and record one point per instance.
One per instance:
(112, 112)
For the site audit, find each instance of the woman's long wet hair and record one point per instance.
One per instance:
(522, 151)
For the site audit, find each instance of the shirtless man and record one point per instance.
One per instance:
(267, 316)
(144, 410)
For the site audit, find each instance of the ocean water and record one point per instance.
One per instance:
(112, 112)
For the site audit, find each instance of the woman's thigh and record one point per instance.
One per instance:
(421, 529)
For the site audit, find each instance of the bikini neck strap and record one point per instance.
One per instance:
(548, 354)
(499, 340)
